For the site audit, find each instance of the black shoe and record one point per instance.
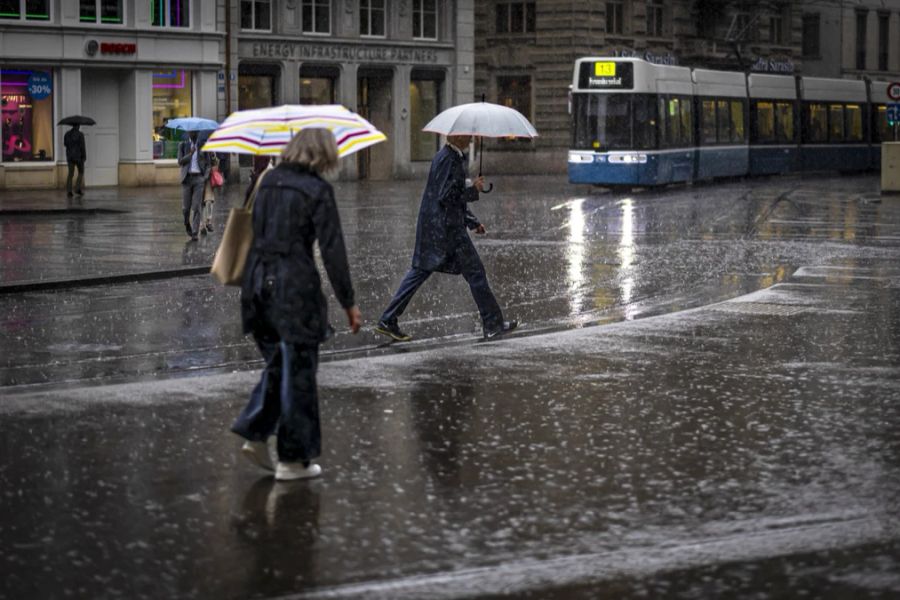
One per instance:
(79, 193)
(203, 231)
(194, 237)
(506, 327)
(187, 229)
(392, 330)
(209, 227)
(69, 194)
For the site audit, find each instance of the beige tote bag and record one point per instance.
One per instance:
(228, 265)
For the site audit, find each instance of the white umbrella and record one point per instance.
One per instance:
(482, 119)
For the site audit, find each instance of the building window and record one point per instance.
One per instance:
(317, 16)
(371, 18)
(26, 120)
(514, 91)
(861, 17)
(103, 11)
(170, 13)
(172, 98)
(424, 105)
(655, 18)
(30, 10)
(883, 38)
(256, 14)
(425, 19)
(516, 17)
(776, 28)
(615, 16)
(811, 36)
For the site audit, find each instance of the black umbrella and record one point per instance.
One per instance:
(77, 120)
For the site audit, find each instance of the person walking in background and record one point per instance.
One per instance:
(194, 172)
(76, 155)
(443, 244)
(282, 304)
(260, 164)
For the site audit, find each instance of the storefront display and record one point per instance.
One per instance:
(26, 114)
(172, 98)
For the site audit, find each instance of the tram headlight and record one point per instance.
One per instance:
(581, 157)
(628, 158)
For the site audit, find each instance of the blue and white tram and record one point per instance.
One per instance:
(639, 124)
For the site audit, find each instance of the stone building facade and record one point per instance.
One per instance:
(129, 65)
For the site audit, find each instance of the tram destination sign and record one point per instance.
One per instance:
(606, 75)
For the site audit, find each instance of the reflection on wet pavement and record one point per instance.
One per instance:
(556, 259)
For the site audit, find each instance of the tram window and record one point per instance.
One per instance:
(882, 132)
(738, 134)
(673, 121)
(644, 108)
(836, 122)
(765, 122)
(854, 121)
(687, 122)
(724, 122)
(708, 122)
(817, 130)
(784, 121)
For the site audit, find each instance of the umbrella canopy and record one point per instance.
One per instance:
(77, 120)
(483, 119)
(267, 131)
(192, 124)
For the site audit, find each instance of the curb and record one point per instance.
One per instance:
(62, 284)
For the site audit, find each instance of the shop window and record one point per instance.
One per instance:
(424, 104)
(424, 19)
(170, 13)
(811, 36)
(655, 18)
(29, 10)
(515, 92)
(371, 18)
(172, 98)
(255, 91)
(26, 120)
(615, 13)
(101, 11)
(516, 17)
(256, 15)
(317, 16)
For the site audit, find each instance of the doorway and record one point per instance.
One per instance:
(374, 102)
(100, 101)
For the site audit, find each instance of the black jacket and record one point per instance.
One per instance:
(281, 288)
(74, 143)
(443, 215)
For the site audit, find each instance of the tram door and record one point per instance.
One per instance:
(374, 103)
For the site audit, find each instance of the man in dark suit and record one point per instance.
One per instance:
(76, 154)
(443, 244)
(194, 172)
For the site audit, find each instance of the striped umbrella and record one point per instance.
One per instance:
(267, 131)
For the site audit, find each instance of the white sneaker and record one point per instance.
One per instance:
(295, 470)
(262, 454)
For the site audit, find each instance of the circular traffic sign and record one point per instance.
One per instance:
(893, 90)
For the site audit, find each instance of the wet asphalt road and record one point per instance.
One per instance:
(557, 256)
(745, 448)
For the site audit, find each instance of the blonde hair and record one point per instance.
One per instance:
(313, 147)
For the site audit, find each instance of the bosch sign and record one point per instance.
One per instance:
(117, 48)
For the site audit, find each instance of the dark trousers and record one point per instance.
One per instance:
(472, 271)
(285, 402)
(192, 200)
(79, 183)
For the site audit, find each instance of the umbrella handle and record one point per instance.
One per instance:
(488, 189)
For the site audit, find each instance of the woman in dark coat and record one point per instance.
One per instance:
(282, 304)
